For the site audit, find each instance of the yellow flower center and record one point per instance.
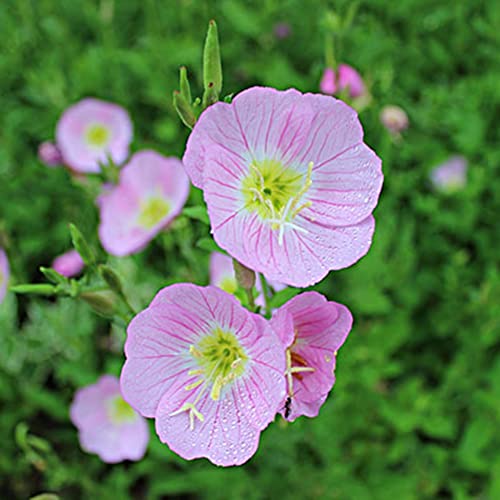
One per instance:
(120, 411)
(153, 211)
(97, 135)
(274, 191)
(221, 360)
(228, 284)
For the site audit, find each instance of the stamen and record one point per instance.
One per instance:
(259, 174)
(193, 385)
(195, 352)
(193, 412)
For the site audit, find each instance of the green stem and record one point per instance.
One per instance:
(266, 291)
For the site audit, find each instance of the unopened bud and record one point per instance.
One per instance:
(212, 67)
(184, 110)
(102, 303)
(244, 276)
(81, 245)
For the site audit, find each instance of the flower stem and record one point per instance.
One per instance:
(266, 292)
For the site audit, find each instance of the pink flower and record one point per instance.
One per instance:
(49, 154)
(282, 30)
(106, 424)
(312, 330)
(209, 371)
(451, 175)
(328, 84)
(349, 78)
(289, 184)
(4, 274)
(68, 264)
(394, 119)
(90, 131)
(222, 275)
(151, 192)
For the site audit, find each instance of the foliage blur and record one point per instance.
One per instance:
(415, 412)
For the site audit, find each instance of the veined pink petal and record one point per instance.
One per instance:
(151, 192)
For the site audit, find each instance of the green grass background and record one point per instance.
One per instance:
(415, 411)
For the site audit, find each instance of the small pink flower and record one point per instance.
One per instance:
(49, 154)
(328, 84)
(312, 330)
(106, 424)
(394, 119)
(68, 264)
(289, 184)
(151, 192)
(451, 175)
(282, 30)
(90, 131)
(209, 371)
(4, 274)
(349, 78)
(222, 275)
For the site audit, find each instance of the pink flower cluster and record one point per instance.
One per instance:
(290, 188)
(214, 375)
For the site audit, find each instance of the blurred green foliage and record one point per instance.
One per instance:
(415, 413)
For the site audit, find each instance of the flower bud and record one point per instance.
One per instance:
(81, 245)
(102, 303)
(328, 84)
(244, 276)
(350, 79)
(49, 154)
(394, 119)
(184, 110)
(212, 67)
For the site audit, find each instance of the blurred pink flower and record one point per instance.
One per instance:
(349, 78)
(4, 274)
(282, 30)
(106, 424)
(289, 184)
(312, 330)
(222, 275)
(209, 371)
(451, 175)
(49, 154)
(328, 84)
(68, 264)
(151, 192)
(394, 119)
(90, 131)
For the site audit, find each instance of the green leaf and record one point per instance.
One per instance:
(199, 213)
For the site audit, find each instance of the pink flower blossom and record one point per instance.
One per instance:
(68, 264)
(106, 424)
(222, 275)
(90, 131)
(49, 154)
(349, 78)
(282, 30)
(394, 119)
(328, 84)
(4, 274)
(209, 371)
(312, 330)
(151, 192)
(289, 184)
(451, 175)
